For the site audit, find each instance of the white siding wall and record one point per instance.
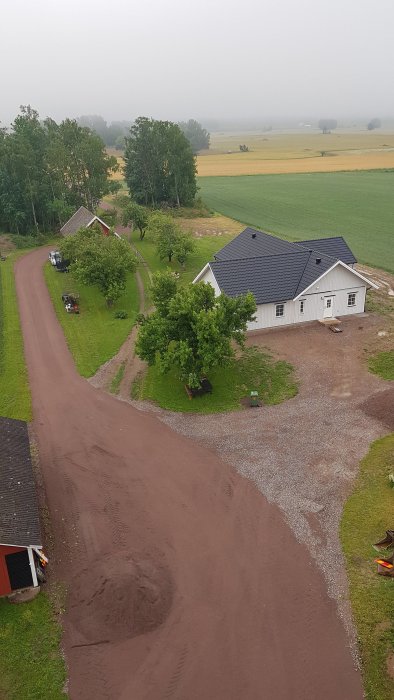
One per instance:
(338, 283)
(313, 309)
(208, 276)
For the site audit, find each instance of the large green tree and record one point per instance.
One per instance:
(100, 261)
(191, 329)
(137, 216)
(171, 241)
(47, 170)
(160, 166)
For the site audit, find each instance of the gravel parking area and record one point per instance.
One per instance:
(303, 454)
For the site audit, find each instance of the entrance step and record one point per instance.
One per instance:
(329, 321)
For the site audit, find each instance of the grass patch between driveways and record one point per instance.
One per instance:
(116, 381)
(368, 513)
(15, 399)
(254, 370)
(382, 364)
(94, 335)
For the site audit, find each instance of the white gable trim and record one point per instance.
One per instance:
(339, 262)
(202, 273)
(96, 218)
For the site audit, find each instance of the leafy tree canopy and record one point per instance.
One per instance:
(160, 167)
(137, 216)
(47, 170)
(100, 261)
(191, 329)
(197, 136)
(171, 240)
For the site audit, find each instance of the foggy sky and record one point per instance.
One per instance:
(175, 59)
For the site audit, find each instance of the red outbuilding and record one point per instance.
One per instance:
(83, 218)
(22, 562)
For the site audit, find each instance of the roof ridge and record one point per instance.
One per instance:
(259, 257)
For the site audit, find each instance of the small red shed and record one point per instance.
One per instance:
(22, 561)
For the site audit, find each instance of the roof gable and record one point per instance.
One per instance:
(337, 263)
(81, 219)
(19, 519)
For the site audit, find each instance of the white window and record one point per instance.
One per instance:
(351, 299)
(279, 310)
(302, 306)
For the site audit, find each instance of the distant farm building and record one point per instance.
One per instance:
(22, 561)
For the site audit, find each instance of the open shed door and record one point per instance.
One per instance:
(19, 571)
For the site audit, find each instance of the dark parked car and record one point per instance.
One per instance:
(62, 265)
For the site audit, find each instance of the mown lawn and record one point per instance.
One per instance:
(383, 364)
(15, 399)
(95, 335)
(31, 666)
(254, 370)
(356, 205)
(368, 513)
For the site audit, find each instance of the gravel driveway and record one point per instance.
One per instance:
(169, 558)
(303, 454)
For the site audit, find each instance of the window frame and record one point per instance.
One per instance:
(302, 306)
(353, 296)
(279, 315)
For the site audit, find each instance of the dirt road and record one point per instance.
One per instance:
(184, 582)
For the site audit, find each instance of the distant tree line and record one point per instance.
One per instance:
(47, 170)
(197, 136)
(374, 124)
(327, 125)
(112, 134)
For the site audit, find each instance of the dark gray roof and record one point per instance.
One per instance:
(253, 244)
(314, 269)
(273, 269)
(19, 520)
(80, 219)
(271, 278)
(335, 246)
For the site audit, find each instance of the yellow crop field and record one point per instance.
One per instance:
(297, 152)
(119, 174)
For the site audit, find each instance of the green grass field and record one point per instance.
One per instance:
(357, 205)
(255, 370)
(31, 666)
(94, 335)
(366, 516)
(15, 400)
(382, 364)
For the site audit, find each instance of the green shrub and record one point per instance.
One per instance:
(121, 314)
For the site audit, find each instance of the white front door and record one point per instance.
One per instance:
(328, 307)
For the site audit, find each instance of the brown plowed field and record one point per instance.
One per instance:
(183, 581)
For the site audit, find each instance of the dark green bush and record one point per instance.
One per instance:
(121, 314)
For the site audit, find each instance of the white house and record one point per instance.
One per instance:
(291, 282)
